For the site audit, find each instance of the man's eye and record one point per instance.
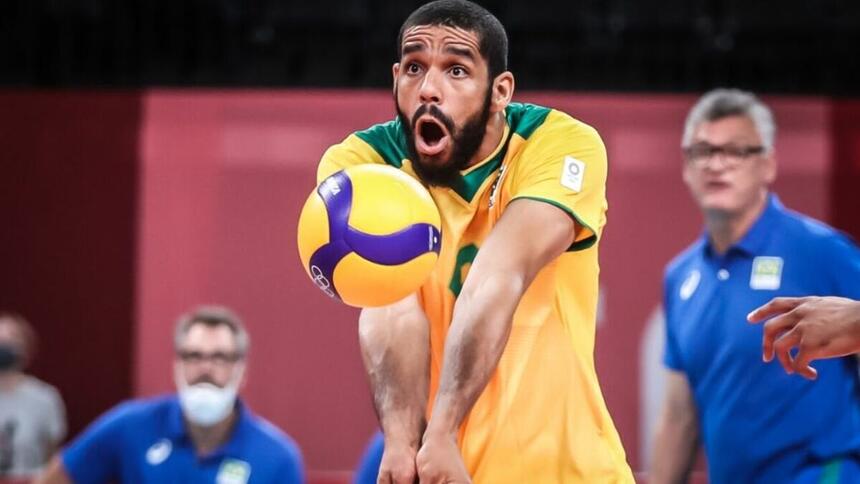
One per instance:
(458, 71)
(413, 68)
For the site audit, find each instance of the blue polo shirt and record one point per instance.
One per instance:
(758, 424)
(145, 441)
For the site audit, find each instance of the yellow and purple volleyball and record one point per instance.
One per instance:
(369, 235)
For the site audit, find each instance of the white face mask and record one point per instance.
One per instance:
(206, 404)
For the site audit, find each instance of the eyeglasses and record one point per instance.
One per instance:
(731, 155)
(218, 358)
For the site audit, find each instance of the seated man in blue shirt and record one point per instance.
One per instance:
(205, 434)
(757, 424)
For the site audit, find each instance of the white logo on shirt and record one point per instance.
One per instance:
(159, 452)
(766, 273)
(690, 284)
(233, 471)
(572, 173)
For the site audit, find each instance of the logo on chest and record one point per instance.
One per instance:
(766, 273)
(159, 452)
(690, 284)
(233, 471)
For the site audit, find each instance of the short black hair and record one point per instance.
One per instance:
(462, 14)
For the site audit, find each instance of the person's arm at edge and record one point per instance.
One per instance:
(677, 437)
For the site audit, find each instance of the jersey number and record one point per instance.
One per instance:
(464, 262)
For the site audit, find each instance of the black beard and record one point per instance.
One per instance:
(465, 142)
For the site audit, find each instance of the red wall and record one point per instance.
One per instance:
(68, 192)
(123, 210)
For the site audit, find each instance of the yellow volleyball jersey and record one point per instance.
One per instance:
(541, 418)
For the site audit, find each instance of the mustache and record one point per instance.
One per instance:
(204, 379)
(435, 113)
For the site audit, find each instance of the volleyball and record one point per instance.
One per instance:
(369, 235)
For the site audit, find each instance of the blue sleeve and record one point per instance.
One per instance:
(292, 469)
(368, 468)
(671, 353)
(845, 268)
(93, 457)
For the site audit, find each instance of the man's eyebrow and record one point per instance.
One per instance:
(412, 47)
(461, 51)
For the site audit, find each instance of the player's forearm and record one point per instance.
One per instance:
(395, 350)
(475, 342)
(675, 447)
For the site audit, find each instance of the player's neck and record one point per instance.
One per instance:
(207, 439)
(492, 138)
(725, 230)
(10, 379)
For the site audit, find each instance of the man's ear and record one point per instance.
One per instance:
(503, 92)
(395, 70)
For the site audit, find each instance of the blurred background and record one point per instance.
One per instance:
(154, 155)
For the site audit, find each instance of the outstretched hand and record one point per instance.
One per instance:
(819, 327)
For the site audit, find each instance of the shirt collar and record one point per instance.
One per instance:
(754, 241)
(177, 431)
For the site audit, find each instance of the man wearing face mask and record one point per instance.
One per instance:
(32, 416)
(203, 434)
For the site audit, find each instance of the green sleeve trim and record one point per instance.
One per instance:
(388, 140)
(524, 119)
(576, 245)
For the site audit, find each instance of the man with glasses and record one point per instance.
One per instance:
(204, 433)
(757, 424)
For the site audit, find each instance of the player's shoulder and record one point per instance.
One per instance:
(387, 139)
(680, 265)
(539, 123)
(271, 440)
(141, 410)
(811, 232)
(36, 389)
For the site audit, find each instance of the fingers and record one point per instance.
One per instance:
(393, 477)
(801, 362)
(773, 329)
(776, 305)
(782, 348)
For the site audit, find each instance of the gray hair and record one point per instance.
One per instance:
(722, 103)
(212, 316)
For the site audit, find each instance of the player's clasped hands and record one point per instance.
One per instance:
(819, 327)
(397, 465)
(439, 461)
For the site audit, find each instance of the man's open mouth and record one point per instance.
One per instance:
(431, 136)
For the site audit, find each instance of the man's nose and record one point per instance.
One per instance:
(429, 91)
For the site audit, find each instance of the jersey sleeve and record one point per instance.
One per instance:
(291, 470)
(844, 262)
(94, 456)
(352, 151)
(564, 164)
(671, 352)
